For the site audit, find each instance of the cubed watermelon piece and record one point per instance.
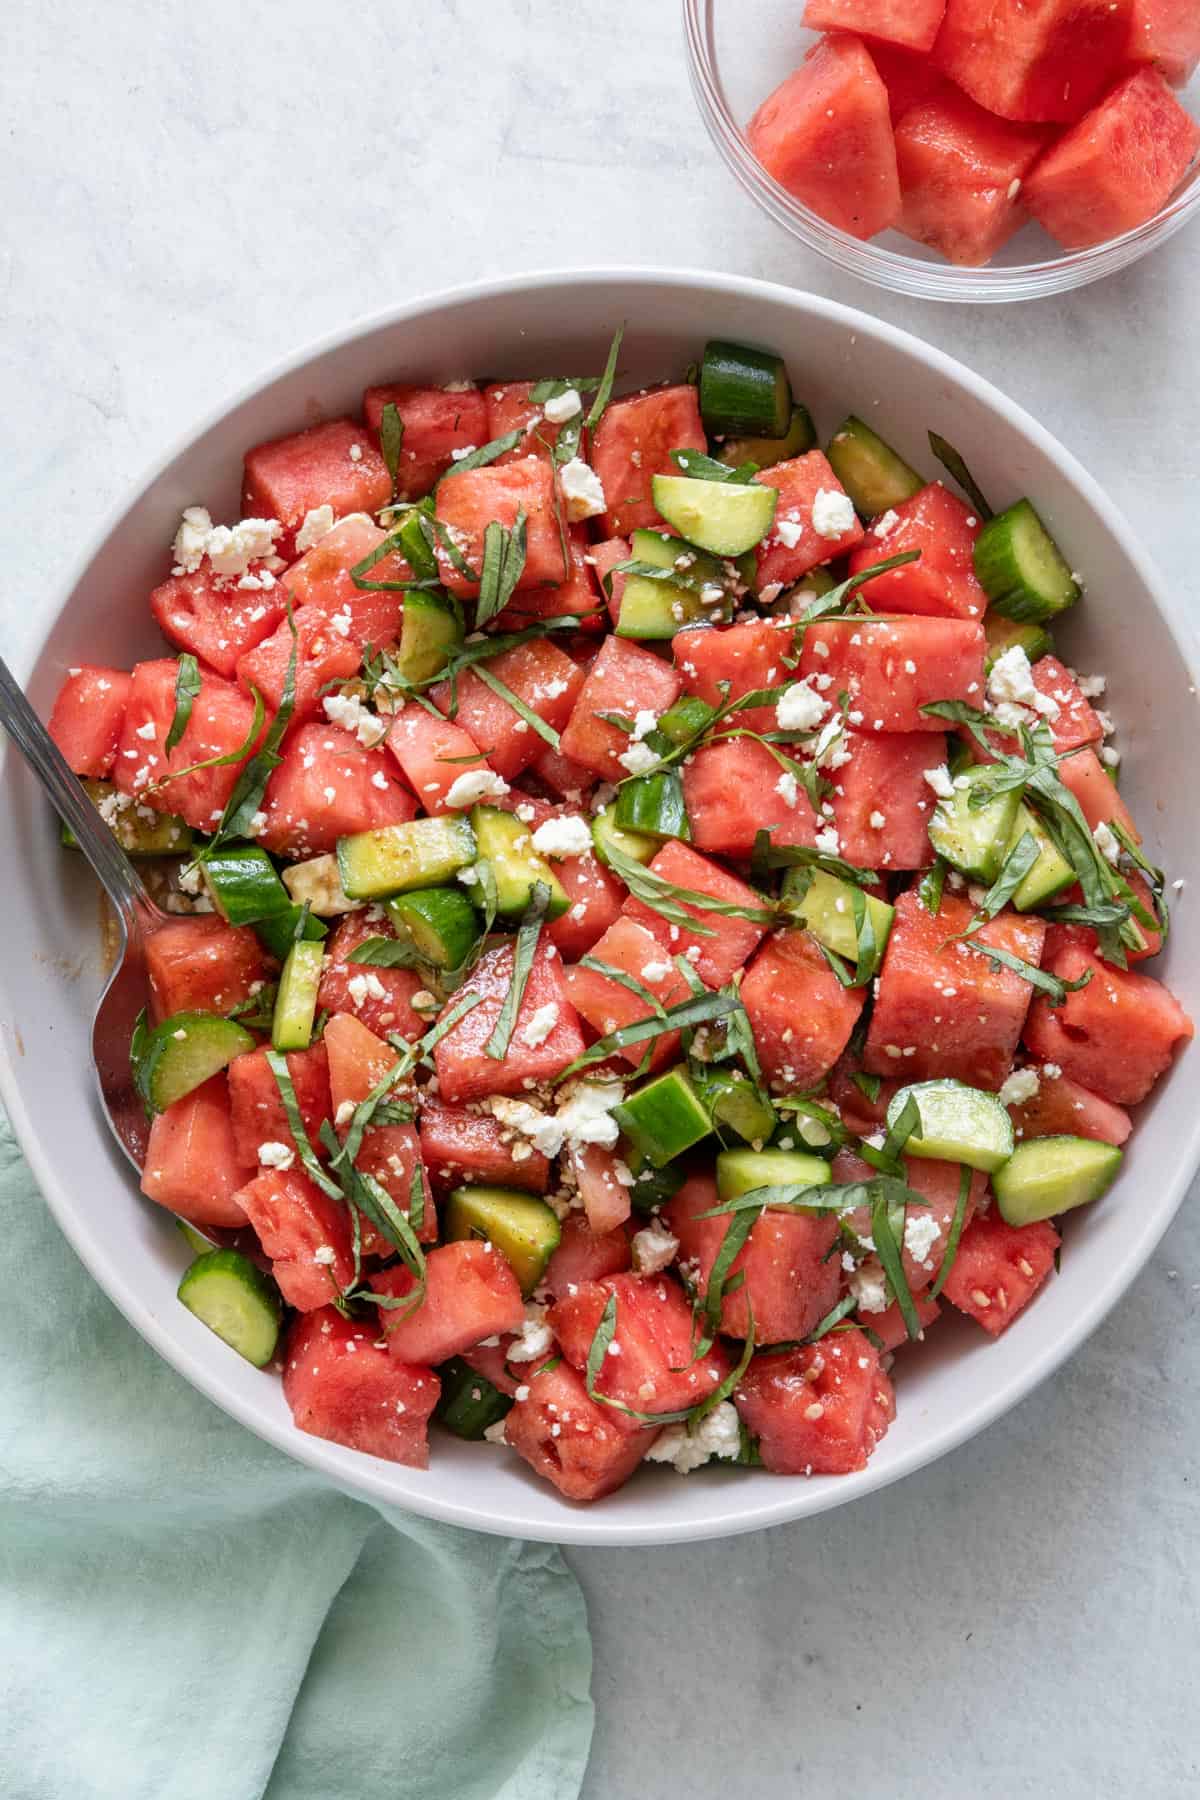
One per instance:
(341, 1386)
(747, 657)
(1167, 32)
(595, 895)
(819, 1410)
(735, 789)
(584, 1255)
(214, 617)
(437, 422)
(470, 1294)
(654, 1370)
(597, 1175)
(860, 1113)
(999, 1268)
(327, 787)
(466, 1072)
(889, 1326)
(334, 464)
(490, 1360)
(633, 443)
(961, 171)
(577, 596)
(938, 1184)
(321, 578)
(912, 23)
(891, 668)
(942, 584)
(458, 1145)
(794, 544)
(541, 675)
(432, 753)
(220, 722)
(509, 408)
(1117, 167)
(323, 658)
(570, 780)
(298, 1225)
(1076, 722)
(570, 1440)
(1117, 1035)
(910, 80)
(942, 1009)
(192, 1165)
(790, 1280)
(200, 964)
(358, 1062)
(801, 1015)
(731, 940)
(378, 998)
(607, 1005)
(623, 679)
(258, 1114)
(825, 135)
(88, 716)
(1034, 59)
(1096, 791)
(881, 800)
(1063, 1108)
(469, 502)
(605, 558)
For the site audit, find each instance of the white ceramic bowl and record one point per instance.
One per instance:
(840, 359)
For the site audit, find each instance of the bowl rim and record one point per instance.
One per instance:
(366, 1477)
(891, 269)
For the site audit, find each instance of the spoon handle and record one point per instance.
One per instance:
(120, 879)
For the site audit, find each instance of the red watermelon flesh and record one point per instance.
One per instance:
(732, 938)
(585, 1255)
(801, 1015)
(961, 171)
(942, 584)
(819, 1410)
(437, 422)
(597, 1174)
(1117, 167)
(1062, 1108)
(378, 998)
(432, 753)
(794, 545)
(576, 596)
(470, 1294)
(341, 1386)
(881, 800)
(291, 476)
(258, 1113)
(790, 1279)
(298, 1224)
(912, 23)
(736, 789)
(1059, 935)
(214, 617)
(570, 780)
(860, 1113)
(327, 787)
(938, 1185)
(466, 1072)
(323, 656)
(999, 1268)
(942, 1009)
(192, 1165)
(654, 1370)
(595, 895)
(458, 1145)
(509, 408)
(606, 1005)
(891, 668)
(468, 503)
(321, 578)
(570, 1439)
(633, 443)
(200, 964)
(1117, 1035)
(541, 675)
(1034, 59)
(623, 679)
(825, 135)
(1167, 32)
(605, 558)
(747, 657)
(358, 1062)
(491, 1361)
(88, 716)
(910, 80)
(1096, 792)
(889, 1326)
(1076, 722)
(220, 722)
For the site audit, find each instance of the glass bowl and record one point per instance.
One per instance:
(736, 60)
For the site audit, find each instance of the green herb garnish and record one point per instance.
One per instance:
(187, 687)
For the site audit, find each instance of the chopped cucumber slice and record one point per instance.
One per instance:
(229, 1294)
(317, 885)
(874, 475)
(524, 1230)
(440, 924)
(658, 609)
(744, 392)
(397, 858)
(686, 719)
(653, 806)
(160, 834)
(468, 1403)
(825, 904)
(664, 1118)
(296, 998)
(506, 845)
(606, 834)
(1050, 874)
(244, 885)
(1002, 634)
(184, 1052)
(278, 933)
(800, 437)
(735, 1104)
(974, 839)
(430, 633)
(196, 1242)
(722, 517)
(1050, 1175)
(958, 1124)
(1021, 568)
(741, 1171)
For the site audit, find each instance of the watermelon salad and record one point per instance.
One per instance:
(956, 121)
(652, 923)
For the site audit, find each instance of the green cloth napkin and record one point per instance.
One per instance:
(186, 1614)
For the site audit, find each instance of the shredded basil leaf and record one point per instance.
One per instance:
(535, 722)
(391, 441)
(952, 460)
(604, 389)
(955, 1232)
(867, 1084)
(503, 564)
(187, 686)
(698, 1011)
(523, 955)
(1016, 866)
(487, 453)
(836, 598)
(887, 1229)
(706, 468)
(931, 886)
(277, 1063)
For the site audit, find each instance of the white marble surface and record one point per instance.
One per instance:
(188, 190)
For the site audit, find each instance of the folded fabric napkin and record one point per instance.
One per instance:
(185, 1614)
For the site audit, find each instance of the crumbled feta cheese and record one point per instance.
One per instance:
(534, 1338)
(939, 780)
(325, 1255)
(638, 758)
(655, 971)
(540, 1025)
(1107, 844)
(586, 1114)
(921, 1233)
(276, 1156)
(462, 452)
(1051, 1071)
(1021, 1085)
(799, 708)
(563, 837)
(832, 513)
(787, 788)
(344, 1114)
(356, 453)
(877, 821)
(789, 532)
(886, 522)
(561, 407)
(868, 1284)
(317, 522)
(1092, 686)
(717, 1434)
(643, 724)
(497, 1433)
(1011, 690)
(348, 712)
(475, 785)
(230, 548)
(366, 986)
(828, 842)
(654, 1248)
(581, 491)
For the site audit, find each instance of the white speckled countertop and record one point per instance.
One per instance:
(190, 190)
